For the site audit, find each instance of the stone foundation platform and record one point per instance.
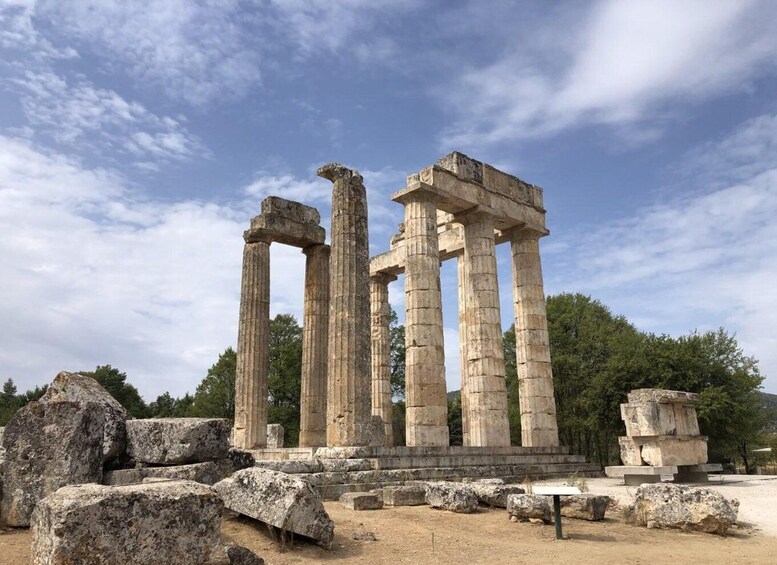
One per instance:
(635, 475)
(337, 470)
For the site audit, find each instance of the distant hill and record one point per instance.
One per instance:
(770, 401)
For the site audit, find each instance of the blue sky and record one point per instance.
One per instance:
(136, 144)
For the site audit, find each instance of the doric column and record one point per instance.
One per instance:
(532, 351)
(486, 389)
(462, 288)
(381, 352)
(348, 375)
(253, 360)
(425, 394)
(315, 332)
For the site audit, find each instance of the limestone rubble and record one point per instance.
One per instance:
(175, 441)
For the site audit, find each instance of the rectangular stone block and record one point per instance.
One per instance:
(206, 473)
(649, 419)
(675, 451)
(361, 501)
(291, 210)
(409, 495)
(630, 451)
(172, 441)
(662, 396)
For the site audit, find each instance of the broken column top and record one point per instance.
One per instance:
(662, 396)
(335, 171)
(286, 222)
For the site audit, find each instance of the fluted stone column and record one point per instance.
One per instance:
(253, 361)
(381, 352)
(425, 393)
(535, 378)
(315, 336)
(462, 293)
(486, 389)
(349, 404)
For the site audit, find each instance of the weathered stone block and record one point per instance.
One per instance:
(455, 497)
(175, 522)
(49, 445)
(525, 507)
(590, 507)
(648, 419)
(173, 441)
(675, 451)
(275, 435)
(662, 396)
(207, 473)
(408, 495)
(493, 494)
(74, 387)
(630, 452)
(284, 501)
(291, 210)
(361, 501)
(685, 508)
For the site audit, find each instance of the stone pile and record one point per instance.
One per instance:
(684, 508)
(661, 429)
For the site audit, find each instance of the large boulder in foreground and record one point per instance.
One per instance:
(175, 523)
(49, 445)
(684, 508)
(284, 501)
(74, 387)
(494, 494)
(529, 507)
(174, 441)
(454, 497)
(591, 507)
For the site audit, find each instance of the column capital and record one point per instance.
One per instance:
(383, 278)
(317, 248)
(519, 233)
(419, 192)
(477, 213)
(257, 235)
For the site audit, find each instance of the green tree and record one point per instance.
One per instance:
(162, 407)
(397, 355)
(183, 406)
(9, 403)
(215, 395)
(115, 382)
(455, 430)
(285, 378)
(511, 381)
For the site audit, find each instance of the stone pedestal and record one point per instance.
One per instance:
(427, 403)
(381, 352)
(532, 351)
(250, 430)
(487, 420)
(315, 336)
(349, 404)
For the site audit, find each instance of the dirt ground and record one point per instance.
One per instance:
(422, 535)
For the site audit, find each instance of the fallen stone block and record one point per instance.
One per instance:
(239, 555)
(275, 435)
(590, 507)
(454, 497)
(408, 495)
(284, 501)
(49, 445)
(361, 501)
(207, 473)
(75, 387)
(175, 523)
(494, 495)
(684, 508)
(174, 441)
(528, 507)
(663, 451)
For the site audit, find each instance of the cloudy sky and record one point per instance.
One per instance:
(136, 144)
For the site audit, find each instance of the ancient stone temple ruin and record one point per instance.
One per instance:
(457, 208)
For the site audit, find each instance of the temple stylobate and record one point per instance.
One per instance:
(463, 208)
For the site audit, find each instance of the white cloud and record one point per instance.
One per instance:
(617, 67)
(95, 273)
(696, 260)
(74, 113)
